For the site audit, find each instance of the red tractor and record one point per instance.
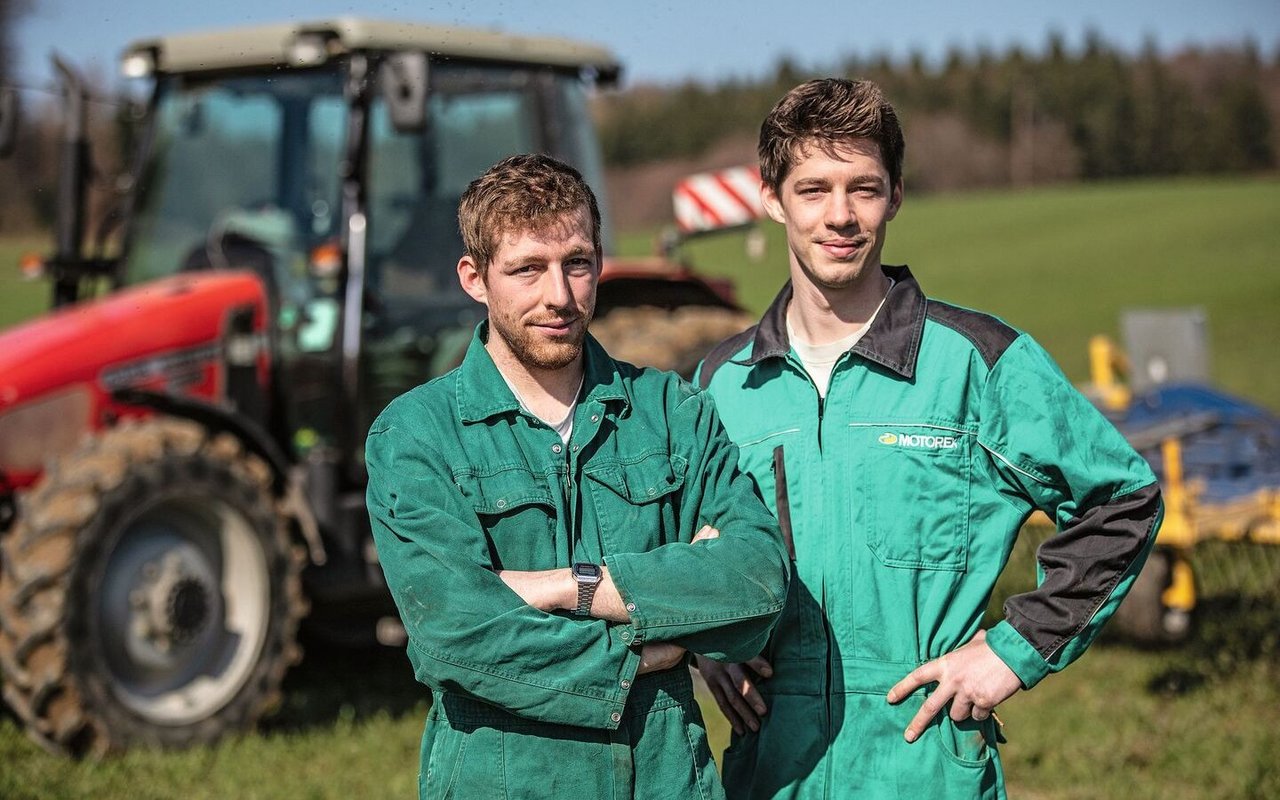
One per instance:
(181, 436)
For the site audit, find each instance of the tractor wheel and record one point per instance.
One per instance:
(1143, 618)
(149, 593)
(676, 340)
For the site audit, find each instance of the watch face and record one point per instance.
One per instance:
(587, 571)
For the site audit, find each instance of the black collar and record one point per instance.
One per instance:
(893, 340)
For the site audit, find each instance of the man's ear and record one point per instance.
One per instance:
(895, 200)
(772, 205)
(472, 280)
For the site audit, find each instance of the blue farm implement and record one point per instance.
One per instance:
(1218, 460)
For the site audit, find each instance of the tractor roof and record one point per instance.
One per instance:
(271, 45)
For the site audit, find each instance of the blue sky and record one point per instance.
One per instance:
(670, 41)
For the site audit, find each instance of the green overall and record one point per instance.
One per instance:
(462, 484)
(903, 491)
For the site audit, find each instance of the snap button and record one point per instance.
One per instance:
(631, 606)
(575, 448)
(595, 417)
(626, 684)
(626, 636)
(615, 716)
(555, 448)
(652, 490)
(502, 504)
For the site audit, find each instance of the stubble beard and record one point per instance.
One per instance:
(534, 353)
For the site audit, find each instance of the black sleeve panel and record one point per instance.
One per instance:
(1082, 565)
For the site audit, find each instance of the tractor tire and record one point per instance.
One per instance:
(149, 593)
(1143, 618)
(674, 340)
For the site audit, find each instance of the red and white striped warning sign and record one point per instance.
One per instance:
(721, 199)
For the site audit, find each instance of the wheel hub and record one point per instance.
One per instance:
(188, 610)
(171, 604)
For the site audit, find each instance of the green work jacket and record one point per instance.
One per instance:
(462, 484)
(903, 492)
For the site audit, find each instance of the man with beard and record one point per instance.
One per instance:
(902, 442)
(558, 528)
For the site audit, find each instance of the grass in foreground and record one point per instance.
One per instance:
(1195, 722)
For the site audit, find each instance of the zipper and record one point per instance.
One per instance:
(799, 366)
(821, 406)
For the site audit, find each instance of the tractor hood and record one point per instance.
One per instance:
(57, 373)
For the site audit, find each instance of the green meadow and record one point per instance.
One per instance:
(1197, 721)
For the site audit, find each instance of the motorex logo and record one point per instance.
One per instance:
(918, 441)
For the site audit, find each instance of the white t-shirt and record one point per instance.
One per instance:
(564, 427)
(820, 359)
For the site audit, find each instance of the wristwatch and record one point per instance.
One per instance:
(588, 578)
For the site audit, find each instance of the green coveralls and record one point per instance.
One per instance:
(531, 704)
(903, 492)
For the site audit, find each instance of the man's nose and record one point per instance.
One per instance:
(556, 292)
(840, 211)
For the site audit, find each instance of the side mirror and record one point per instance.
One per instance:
(403, 80)
(8, 120)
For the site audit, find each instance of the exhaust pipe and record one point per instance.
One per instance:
(73, 177)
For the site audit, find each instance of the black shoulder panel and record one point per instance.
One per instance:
(989, 335)
(722, 353)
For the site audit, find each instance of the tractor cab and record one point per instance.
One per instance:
(329, 159)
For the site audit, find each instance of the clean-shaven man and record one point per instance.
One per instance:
(902, 442)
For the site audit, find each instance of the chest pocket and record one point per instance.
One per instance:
(757, 457)
(518, 515)
(637, 503)
(914, 503)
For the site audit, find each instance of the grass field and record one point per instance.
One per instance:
(1196, 722)
(20, 298)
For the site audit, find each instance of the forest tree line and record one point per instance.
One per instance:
(973, 120)
(1017, 118)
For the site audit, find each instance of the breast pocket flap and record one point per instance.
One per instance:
(505, 491)
(651, 478)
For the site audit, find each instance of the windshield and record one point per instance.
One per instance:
(419, 320)
(477, 115)
(236, 163)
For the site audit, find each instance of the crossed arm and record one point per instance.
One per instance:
(556, 590)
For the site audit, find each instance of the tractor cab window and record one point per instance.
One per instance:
(418, 319)
(416, 180)
(242, 172)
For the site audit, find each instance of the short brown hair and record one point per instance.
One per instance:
(521, 193)
(828, 112)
